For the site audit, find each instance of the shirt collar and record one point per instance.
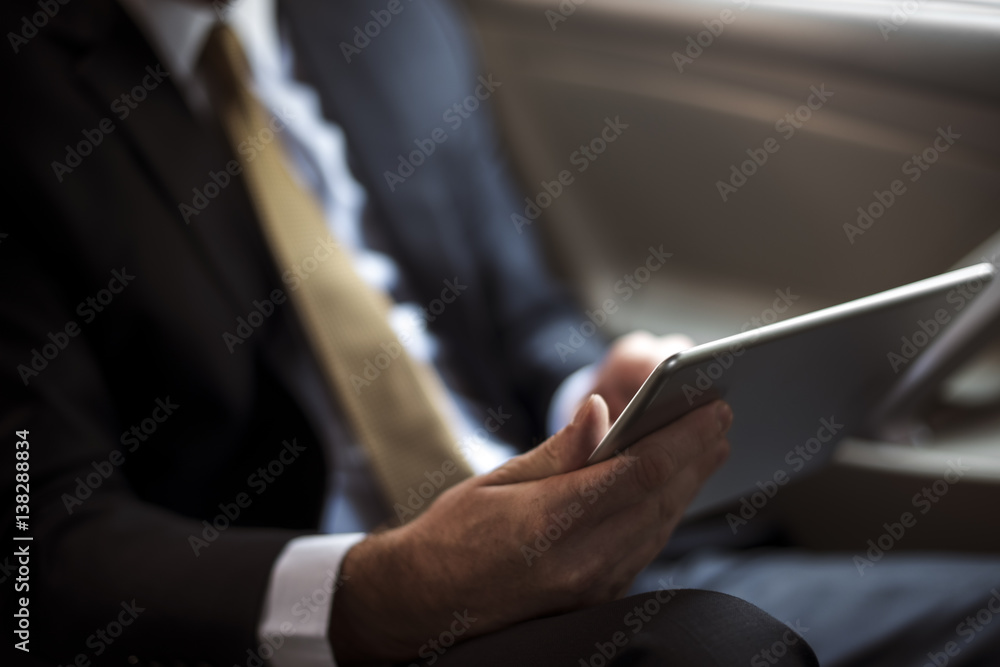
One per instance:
(178, 29)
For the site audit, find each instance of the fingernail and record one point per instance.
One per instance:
(724, 414)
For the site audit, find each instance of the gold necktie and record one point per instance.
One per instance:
(394, 415)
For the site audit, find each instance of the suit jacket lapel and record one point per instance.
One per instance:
(179, 152)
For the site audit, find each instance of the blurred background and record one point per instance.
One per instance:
(759, 135)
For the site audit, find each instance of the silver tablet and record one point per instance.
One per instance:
(798, 386)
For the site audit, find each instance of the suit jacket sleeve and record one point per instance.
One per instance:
(98, 550)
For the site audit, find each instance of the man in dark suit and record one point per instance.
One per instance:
(188, 444)
(183, 445)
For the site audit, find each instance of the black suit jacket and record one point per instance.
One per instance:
(126, 305)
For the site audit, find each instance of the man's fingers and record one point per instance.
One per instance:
(622, 543)
(678, 494)
(653, 519)
(653, 461)
(566, 451)
(663, 454)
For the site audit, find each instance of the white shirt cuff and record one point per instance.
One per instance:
(569, 395)
(304, 579)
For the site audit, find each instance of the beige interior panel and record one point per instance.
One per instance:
(658, 182)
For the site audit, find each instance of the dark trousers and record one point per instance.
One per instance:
(687, 628)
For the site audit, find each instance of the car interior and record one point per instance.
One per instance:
(789, 155)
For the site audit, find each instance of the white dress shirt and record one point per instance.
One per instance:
(305, 575)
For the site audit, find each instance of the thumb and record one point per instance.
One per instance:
(565, 451)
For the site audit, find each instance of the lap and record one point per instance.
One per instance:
(665, 627)
(905, 609)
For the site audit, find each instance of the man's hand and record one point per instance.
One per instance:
(537, 536)
(629, 362)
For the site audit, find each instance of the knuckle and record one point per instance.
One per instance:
(550, 456)
(655, 467)
(581, 578)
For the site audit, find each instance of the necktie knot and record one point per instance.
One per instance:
(223, 53)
